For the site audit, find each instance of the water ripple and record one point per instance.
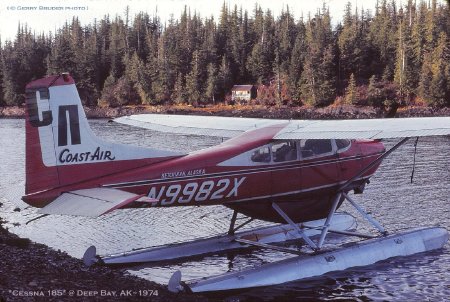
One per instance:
(390, 197)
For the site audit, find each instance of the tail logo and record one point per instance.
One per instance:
(67, 116)
(33, 97)
(70, 111)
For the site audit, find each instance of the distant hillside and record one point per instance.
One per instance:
(397, 56)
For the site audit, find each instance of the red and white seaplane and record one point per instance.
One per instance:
(296, 172)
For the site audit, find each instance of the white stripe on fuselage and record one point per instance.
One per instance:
(297, 165)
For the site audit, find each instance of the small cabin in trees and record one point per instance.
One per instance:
(243, 92)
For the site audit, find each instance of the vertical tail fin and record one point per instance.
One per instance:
(60, 146)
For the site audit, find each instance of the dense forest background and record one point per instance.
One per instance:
(395, 55)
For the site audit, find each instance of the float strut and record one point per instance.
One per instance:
(231, 230)
(326, 226)
(369, 218)
(294, 225)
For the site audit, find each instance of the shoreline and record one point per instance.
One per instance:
(32, 271)
(251, 111)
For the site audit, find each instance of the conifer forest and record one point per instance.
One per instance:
(390, 54)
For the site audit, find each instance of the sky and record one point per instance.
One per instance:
(48, 15)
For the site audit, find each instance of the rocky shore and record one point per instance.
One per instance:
(35, 272)
(255, 111)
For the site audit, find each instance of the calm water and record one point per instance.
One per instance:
(390, 197)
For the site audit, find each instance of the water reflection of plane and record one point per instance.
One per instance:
(296, 172)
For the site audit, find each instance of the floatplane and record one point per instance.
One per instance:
(293, 173)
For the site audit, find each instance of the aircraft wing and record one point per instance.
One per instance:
(91, 202)
(366, 128)
(295, 129)
(196, 125)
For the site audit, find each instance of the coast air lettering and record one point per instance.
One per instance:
(197, 191)
(66, 156)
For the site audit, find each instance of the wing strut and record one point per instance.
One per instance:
(414, 162)
(341, 193)
(372, 164)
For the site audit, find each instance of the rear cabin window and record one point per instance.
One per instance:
(315, 147)
(284, 151)
(262, 155)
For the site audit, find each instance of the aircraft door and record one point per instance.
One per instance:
(319, 164)
(286, 176)
(346, 168)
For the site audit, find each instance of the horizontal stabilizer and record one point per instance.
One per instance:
(92, 202)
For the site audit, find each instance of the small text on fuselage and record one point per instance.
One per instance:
(182, 173)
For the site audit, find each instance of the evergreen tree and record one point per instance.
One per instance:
(106, 98)
(62, 57)
(426, 77)
(262, 56)
(10, 65)
(117, 50)
(382, 38)
(430, 27)
(277, 77)
(285, 34)
(137, 75)
(224, 78)
(317, 82)
(374, 93)
(440, 83)
(212, 83)
(418, 37)
(404, 75)
(297, 61)
(159, 72)
(178, 95)
(439, 93)
(351, 94)
(22, 61)
(193, 84)
(351, 45)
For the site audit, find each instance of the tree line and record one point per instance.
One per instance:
(383, 56)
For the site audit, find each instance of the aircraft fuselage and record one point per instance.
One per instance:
(303, 184)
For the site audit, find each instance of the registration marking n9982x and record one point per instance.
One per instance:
(196, 191)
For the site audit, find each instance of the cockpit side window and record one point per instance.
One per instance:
(315, 147)
(261, 155)
(342, 144)
(284, 151)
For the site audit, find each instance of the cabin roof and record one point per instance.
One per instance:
(242, 87)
